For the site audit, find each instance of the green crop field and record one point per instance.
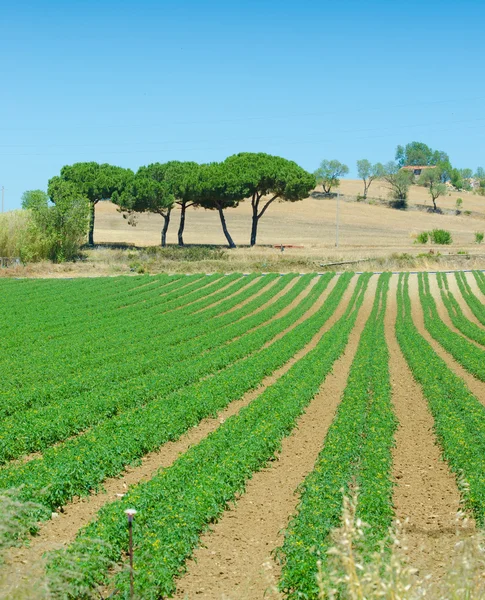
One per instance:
(179, 396)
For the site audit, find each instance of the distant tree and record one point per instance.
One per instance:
(148, 191)
(456, 179)
(417, 153)
(399, 182)
(266, 178)
(328, 174)
(368, 172)
(219, 188)
(95, 182)
(32, 199)
(466, 173)
(431, 178)
(480, 173)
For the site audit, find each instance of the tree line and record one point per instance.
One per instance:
(158, 188)
(438, 172)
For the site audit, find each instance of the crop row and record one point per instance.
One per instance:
(357, 451)
(480, 279)
(136, 368)
(113, 322)
(472, 331)
(78, 465)
(87, 369)
(458, 416)
(180, 502)
(473, 302)
(37, 428)
(463, 351)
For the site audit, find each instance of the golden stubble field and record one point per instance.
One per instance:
(310, 223)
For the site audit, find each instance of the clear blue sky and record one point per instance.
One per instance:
(131, 83)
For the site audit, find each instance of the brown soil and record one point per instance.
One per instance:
(426, 493)
(474, 286)
(235, 560)
(25, 563)
(475, 386)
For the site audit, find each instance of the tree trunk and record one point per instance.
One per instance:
(254, 225)
(434, 203)
(254, 228)
(91, 223)
(166, 223)
(182, 224)
(224, 227)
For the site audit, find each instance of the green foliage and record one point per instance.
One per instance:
(169, 523)
(456, 179)
(19, 238)
(459, 203)
(34, 199)
(328, 174)
(399, 182)
(459, 417)
(479, 235)
(466, 353)
(422, 238)
(431, 178)
(357, 451)
(262, 175)
(419, 154)
(91, 181)
(368, 172)
(457, 317)
(440, 236)
(165, 393)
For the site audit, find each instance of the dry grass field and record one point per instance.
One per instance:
(310, 223)
(381, 237)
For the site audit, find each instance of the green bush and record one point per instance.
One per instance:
(422, 238)
(440, 236)
(479, 235)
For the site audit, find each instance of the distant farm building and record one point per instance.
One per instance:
(418, 169)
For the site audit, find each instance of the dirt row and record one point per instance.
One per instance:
(235, 559)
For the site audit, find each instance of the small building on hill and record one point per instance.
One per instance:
(418, 169)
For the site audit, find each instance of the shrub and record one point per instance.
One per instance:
(422, 238)
(459, 203)
(479, 235)
(440, 236)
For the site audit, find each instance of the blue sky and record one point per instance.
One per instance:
(130, 83)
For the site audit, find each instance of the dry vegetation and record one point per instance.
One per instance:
(381, 237)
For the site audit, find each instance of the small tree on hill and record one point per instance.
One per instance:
(368, 172)
(399, 182)
(266, 178)
(328, 174)
(431, 178)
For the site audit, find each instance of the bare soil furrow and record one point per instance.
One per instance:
(426, 493)
(22, 563)
(235, 559)
(472, 282)
(474, 385)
